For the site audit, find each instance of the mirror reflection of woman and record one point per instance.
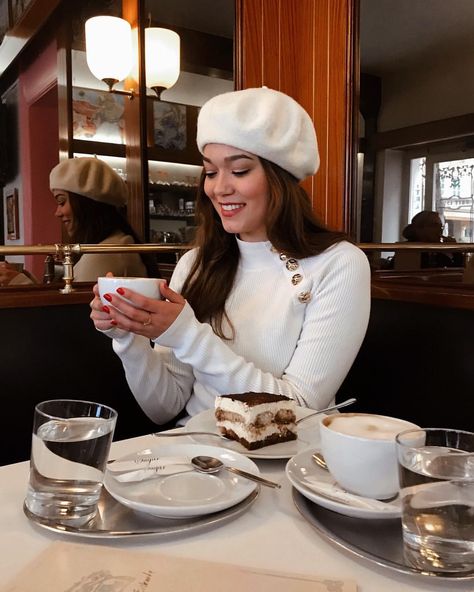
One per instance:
(269, 300)
(427, 227)
(90, 200)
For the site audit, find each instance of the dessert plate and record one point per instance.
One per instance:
(317, 484)
(308, 436)
(184, 494)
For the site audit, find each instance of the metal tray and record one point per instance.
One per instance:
(376, 541)
(114, 521)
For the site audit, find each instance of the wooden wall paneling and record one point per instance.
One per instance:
(301, 47)
(339, 112)
(135, 127)
(64, 60)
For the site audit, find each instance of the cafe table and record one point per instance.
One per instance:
(270, 535)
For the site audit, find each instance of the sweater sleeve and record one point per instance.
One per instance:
(160, 383)
(334, 326)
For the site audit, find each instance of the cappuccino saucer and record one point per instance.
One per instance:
(318, 485)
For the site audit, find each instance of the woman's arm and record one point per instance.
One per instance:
(334, 326)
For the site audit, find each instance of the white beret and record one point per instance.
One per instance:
(90, 177)
(266, 123)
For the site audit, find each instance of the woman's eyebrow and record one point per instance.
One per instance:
(230, 158)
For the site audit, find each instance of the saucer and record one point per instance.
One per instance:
(184, 494)
(317, 485)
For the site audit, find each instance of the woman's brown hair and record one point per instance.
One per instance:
(95, 221)
(292, 228)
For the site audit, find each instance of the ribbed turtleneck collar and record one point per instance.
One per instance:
(255, 255)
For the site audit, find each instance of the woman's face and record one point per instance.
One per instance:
(237, 186)
(64, 210)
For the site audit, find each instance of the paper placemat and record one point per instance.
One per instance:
(70, 567)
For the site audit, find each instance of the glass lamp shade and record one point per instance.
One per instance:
(108, 47)
(162, 57)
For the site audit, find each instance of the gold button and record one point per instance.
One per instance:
(283, 257)
(292, 265)
(304, 297)
(296, 279)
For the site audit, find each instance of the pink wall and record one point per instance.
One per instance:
(39, 150)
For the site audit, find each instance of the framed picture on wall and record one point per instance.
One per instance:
(13, 215)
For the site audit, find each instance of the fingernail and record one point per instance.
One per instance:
(108, 297)
(106, 309)
(166, 284)
(112, 322)
(121, 291)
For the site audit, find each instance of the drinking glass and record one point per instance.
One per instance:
(437, 492)
(70, 446)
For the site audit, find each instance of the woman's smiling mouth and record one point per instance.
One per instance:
(229, 209)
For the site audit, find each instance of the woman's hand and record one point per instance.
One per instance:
(141, 315)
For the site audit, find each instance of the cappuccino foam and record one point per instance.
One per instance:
(375, 427)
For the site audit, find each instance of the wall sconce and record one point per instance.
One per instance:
(109, 53)
(162, 58)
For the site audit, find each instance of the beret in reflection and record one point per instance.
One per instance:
(264, 122)
(90, 177)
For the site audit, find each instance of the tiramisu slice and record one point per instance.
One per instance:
(256, 419)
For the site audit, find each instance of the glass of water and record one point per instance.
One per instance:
(437, 492)
(70, 447)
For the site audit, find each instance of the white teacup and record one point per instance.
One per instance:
(149, 287)
(360, 452)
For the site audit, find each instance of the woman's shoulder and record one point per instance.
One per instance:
(182, 269)
(340, 256)
(120, 238)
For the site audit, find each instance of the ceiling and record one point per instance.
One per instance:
(215, 17)
(397, 34)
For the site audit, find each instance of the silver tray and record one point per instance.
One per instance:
(114, 520)
(375, 541)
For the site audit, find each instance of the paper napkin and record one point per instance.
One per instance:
(143, 468)
(333, 491)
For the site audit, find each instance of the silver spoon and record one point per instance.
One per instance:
(209, 464)
(319, 460)
(332, 408)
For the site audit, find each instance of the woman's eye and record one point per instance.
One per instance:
(240, 173)
(210, 174)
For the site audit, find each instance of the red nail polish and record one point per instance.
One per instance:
(106, 309)
(112, 322)
(121, 291)
(108, 297)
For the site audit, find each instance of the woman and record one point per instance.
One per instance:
(427, 227)
(91, 198)
(268, 300)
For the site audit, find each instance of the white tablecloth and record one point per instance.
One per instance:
(270, 535)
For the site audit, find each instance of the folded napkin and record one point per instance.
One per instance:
(143, 468)
(333, 491)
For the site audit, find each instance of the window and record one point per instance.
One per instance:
(444, 182)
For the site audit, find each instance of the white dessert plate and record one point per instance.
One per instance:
(182, 494)
(308, 436)
(317, 484)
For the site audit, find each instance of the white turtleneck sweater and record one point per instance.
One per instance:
(297, 339)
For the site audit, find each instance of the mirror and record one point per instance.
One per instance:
(416, 117)
(162, 167)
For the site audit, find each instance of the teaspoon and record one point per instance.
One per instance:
(209, 464)
(332, 408)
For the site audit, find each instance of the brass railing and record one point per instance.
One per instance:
(63, 253)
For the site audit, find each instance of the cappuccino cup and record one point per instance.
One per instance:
(360, 452)
(149, 287)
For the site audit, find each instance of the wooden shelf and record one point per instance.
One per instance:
(184, 218)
